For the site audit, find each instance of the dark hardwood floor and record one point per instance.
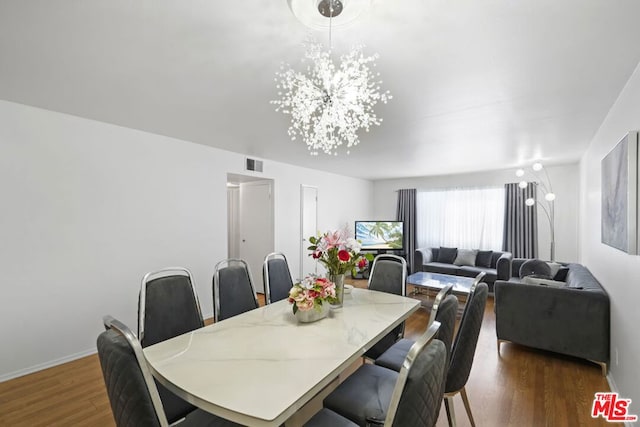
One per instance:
(519, 387)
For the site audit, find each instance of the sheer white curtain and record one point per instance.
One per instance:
(470, 218)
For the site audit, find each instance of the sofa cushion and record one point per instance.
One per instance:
(483, 258)
(579, 277)
(447, 255)
(533, 280)
(535, 267)
(490, 273)
(466, 257)
(440, 267)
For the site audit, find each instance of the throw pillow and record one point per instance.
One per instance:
(447, 255)
(535, 267)
(554, 267)
(561, 275)
(483, 259)
(466, 257)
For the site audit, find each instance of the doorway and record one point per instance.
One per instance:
(250, 224)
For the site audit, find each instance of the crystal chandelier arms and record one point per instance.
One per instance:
(329, 105)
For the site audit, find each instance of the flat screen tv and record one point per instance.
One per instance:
(380, 235)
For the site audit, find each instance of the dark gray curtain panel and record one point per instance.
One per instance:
(406, 211)
(520, 235)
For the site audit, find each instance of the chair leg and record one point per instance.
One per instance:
(467, 407)
(451, 415)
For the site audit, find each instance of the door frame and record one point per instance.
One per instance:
(303, 246)
(248, 180)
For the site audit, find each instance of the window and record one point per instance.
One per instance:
(471, 218)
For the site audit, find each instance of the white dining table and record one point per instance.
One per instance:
(260, 367)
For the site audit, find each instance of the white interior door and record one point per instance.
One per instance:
(256, 226)
(233, 222)
(308, 227)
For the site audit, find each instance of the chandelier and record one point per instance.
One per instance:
(329, 103)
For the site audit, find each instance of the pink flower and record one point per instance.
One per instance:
(323, 282)
(331, 291)
(316, 254)
(305, 305)
(332, 239)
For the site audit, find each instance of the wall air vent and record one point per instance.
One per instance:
(254, 165)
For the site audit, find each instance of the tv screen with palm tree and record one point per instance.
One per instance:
(380, 235)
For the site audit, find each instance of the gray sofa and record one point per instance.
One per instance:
(498, 266)
(572, 319)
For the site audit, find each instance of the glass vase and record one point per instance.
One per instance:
(338, 279)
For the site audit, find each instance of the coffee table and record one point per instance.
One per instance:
(434, 282)
(437, 281)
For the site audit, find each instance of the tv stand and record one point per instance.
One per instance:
(364, 274)
(399, 253)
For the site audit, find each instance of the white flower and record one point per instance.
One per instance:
(353, 245)
(307, 282)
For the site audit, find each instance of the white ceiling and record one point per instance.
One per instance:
(476, 85)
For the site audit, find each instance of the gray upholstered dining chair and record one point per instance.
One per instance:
(276, 277)
(233, 291)
(327, 418)
(463, 351)
(444, 310)
(388, 274)
(374, 395)
(167, 305)
(132, 392)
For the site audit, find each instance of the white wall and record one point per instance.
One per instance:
(88, 208)
(618, 272)
(564, 179)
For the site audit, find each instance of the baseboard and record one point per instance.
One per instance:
(612, 383)
(45, 365)
(614, 388)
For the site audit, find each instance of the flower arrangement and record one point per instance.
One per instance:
(338, 252)
(311, 292)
